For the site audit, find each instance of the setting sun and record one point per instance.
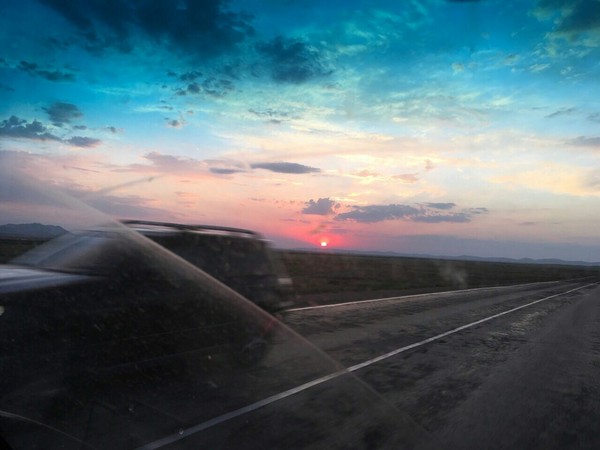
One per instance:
(323, 244)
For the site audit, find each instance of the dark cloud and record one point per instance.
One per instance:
(425, 213)
(63, 113)
(378, 213)
(285, 167)
(50, 75)
(224, 171)
(15, 127)
(576, 17)
(440, 205)
(478, 211)
(83, 142)
(292, 61)
(562, 112)
(217, 87)
(584, 141)
(193, 88)
(190, 76)
(584, 16)
(174, 123)
(322, 207)
(200, 27)
(20, 128)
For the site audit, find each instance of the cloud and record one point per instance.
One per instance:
(322, 207)
(594, 117)
(174, 123)
(83, 142)
(584, 141)
(203, 28)
(63, 113)
(439, 218)
(562, 112)
(440, 205)
(50, 75)
(175, 164)
(426, 213)
(15, 127)
(224, 171)
(576, 18)
(407, 178)
(285, 167)
(292, 61)
(584, 16)
(478, 210)
(378, 213)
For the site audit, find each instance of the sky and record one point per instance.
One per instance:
(419, 126)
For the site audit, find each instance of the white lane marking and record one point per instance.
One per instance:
(408, 297)
(184, 433)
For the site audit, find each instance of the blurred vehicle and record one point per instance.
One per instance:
(241, 259)
(94, 308)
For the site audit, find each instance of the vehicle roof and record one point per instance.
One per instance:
(147, 226)
(15, 278)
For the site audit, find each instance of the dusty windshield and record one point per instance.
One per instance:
(421, 181)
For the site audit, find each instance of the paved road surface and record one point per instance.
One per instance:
(526, 379)
(503, 368)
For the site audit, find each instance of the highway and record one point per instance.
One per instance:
(502, 368)
(494, 368)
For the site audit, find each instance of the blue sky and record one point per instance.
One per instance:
(440, 127)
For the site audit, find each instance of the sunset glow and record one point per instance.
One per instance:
(421, 127)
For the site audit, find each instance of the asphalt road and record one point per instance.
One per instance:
(505, 377)
(495, 368)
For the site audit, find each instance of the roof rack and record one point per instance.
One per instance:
(186, 227)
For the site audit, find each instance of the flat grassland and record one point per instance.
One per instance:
(329, 277)
(11, 248)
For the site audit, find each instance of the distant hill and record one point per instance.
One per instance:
(30, 231)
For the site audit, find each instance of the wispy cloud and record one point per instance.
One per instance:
(285, 167)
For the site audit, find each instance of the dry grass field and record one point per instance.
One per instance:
(330, 277)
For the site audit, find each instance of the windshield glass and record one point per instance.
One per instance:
(400, 203)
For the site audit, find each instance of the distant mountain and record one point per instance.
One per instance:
(31, 231)
(548, 261)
